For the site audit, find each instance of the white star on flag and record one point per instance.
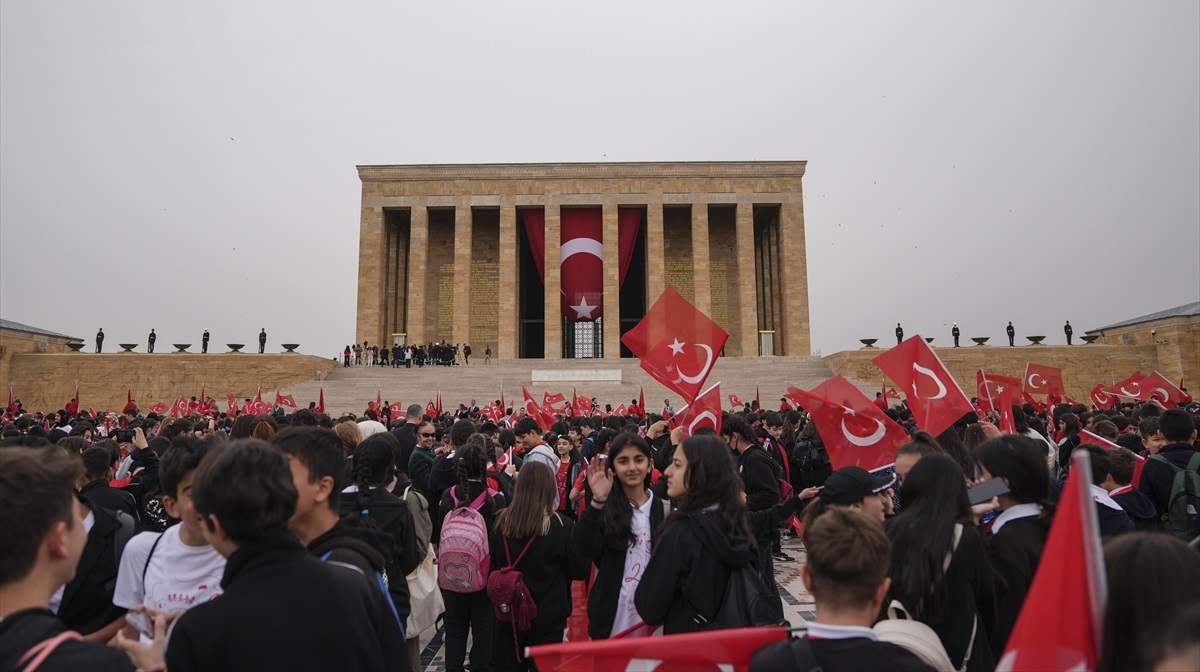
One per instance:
(677, 347)
(583, 310)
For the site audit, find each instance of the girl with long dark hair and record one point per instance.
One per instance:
(569, 469)
(530, 529)
(700, 543)
(616, 531)
(939, 566)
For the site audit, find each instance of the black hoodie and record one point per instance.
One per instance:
(398, 543)
(1140, 509)
(687, 573)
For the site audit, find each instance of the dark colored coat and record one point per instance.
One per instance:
(760, 476)
(1015, 553)
(688, 570)
(548, 569)
(102, 494)
(1157, 477)
(22, 630)
(838, 655)
(407, 436)
(588, 541)
(392, 517)
(283, 609)
(87, 600)
(1140, 509)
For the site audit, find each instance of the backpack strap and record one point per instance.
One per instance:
(39, 652)
(149, 555)
(508, 555)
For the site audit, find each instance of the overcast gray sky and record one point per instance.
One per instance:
(186, 166)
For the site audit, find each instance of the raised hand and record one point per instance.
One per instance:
(600, 479)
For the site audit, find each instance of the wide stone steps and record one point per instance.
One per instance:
(350, 389)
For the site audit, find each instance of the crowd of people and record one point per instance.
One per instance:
(408, 356)
(305, 541)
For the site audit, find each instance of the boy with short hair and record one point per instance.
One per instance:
(44, 536)
(177, 569)
(848, 557)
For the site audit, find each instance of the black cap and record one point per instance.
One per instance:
(853, 484)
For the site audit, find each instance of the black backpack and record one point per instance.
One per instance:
(747, 603)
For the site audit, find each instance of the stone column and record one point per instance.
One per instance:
(793, 270)
(656, 274)
(372, 250)
(418, 262)
(461, 330)
(552, 275)
(701, 277)
(610, 236)
(506, 347)
(746, 280)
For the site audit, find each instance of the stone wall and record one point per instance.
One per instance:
(13, 343)
(677, 252)
(1177, 340)
(485, 279)
(1083, 365)
(439, 286)
(46, 381)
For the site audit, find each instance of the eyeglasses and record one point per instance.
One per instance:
(430, 435)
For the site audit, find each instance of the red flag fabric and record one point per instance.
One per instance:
(179, 408)
(1131, 387)
(378, 399)
(73, 406)
(757, 399)
(258, 406)
(1059, 627)
(989, 386)
(1160, 388)
(549, 400)
(1101, 399)
(535, 411)
(159, 408)
(505, 459)
(396, 409)
(583, 406)
(129, 405)
(438, 405)
(642, 403)
(677, 344)
(232, 404)
(735, 401)
(936, 400)
(431, 410)
(320, 402)
(619, 411)
(891, 393)
(1086, 436)
(855, 431)
(1008, 424)
(728, 650)
(285, 400)
(1041, 379)
(581, 263)
(705, 411)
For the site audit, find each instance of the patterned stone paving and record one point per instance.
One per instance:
(797, 606)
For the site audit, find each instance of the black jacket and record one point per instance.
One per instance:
(1157, 477)
(24, 629)
(357, 547)
(547, 568)
(87, 600)
(285, 610)
(398, 545)
(1139, 509)
(102, 494)
(406, 434)
(1015, 553)
(760, 476)
(588, 541)
(687, 573)
(838, 655)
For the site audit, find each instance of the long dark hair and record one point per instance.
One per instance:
(374, 465)
(935, 498)
(712, 482)
(1018, 459)
(470, 462)
(617, 516)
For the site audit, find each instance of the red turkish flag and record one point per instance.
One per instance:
(505, 459)
(179, 408)
(705, 411)
(396, 409)
(642, 403)
(1042, 379)
(549, 400)
(1132, 388)
(855, 431)
(678, 345)
(533, 410)
(1008, 424)
(321, 402)
(258, 406)
(989, 386)
(1086, 436)
(891, 393)
(431, 410)
(713, 650)
(583, 405)
(936, 400)
(581, 263)
(1101, 399)
(1060, 623)
(619, 411)
(233, 407)
(159, 408)
(285, 400)
(734, 401)
(1162, 389)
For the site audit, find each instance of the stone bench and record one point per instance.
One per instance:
(576, 375)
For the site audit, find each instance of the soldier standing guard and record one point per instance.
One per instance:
(899, 333)
(262, 340)
(204, 343)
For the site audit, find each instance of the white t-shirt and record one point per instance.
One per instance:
(636, 558)
(178, 578)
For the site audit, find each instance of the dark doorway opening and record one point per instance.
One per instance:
(531, 301)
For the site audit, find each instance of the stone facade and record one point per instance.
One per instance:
(700, 226)
(14, 342)
(46, 381)
(1176, 341)
(1083, 365)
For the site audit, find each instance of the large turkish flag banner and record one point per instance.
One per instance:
(1132, 388)
(1042, 379)
(936, 400)
(581, 263)
(678, 345)
(990, 385)
(1164, 390)
(855, 431)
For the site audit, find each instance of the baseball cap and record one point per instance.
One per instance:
(853, 484)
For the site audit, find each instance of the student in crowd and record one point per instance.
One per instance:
(1151, 585)
(282, 608)
(530, 527)
(616, 532)
(1119, 486)
(469, 613)
(570, 468)
(699, 543)
(85, 604)
(846, 572)
(176, 569)
(854, 488)
(529, 435)
(44, 537)
(1112, 518)
(922, 444)
(368, 503)
(1019, 533)
(939, 565)
(1178, 433)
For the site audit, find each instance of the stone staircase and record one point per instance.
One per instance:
(349, 389)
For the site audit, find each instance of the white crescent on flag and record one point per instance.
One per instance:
(699, 376)
(864, 441)
(924, 371)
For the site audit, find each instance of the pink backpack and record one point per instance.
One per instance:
(463, 556)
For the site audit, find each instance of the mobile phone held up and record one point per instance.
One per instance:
(984, 492)
(125, 435)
